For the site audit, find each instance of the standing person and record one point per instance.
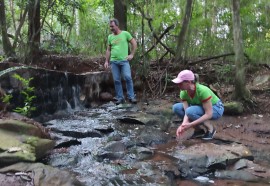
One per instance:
(118, 57)
(199, 104)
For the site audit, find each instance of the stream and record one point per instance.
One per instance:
(101, 149)
(80, 136)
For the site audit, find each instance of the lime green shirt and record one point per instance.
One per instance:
(119, 45)
(202, 94)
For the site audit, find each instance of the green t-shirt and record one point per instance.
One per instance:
(119, 45)
(202, 94)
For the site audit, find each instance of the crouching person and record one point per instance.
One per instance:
(199, 104)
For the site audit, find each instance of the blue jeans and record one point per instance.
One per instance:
(122, 69)
(194, 112)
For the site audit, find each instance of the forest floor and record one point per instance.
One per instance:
(250, 128)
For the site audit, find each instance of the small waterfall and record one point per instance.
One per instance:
(68, 109)
(60, 98)
(66, 78)
(56, 90)
(68, 98)
(76, 90)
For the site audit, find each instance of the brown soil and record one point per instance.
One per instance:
(74, 64)
(251, 128)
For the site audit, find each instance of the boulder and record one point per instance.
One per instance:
(40, 174)
(202, 158)
(245, 170)
(21, 141)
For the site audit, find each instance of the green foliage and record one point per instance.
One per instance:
(224, 73)
(25, 82)
(81, 26)
(94, 29)
(1, 58)
(259, 52)
(57, 44)
(170, 11)
(6, 98)
(26, 92)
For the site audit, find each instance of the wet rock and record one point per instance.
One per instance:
(193, 168)
(142, 118)
(141, 153)
(130, 120)
(199, 159)
(43, 175)
(68, 143)
(251, 167)
(113, 150)
(63, 141)
(106, 96)
(152, 136)
(13, 180)
(144, 153)
(104, 129)
(20, 141)
(109, 155)
(79, 134)
(240, 164)
(236, 175)
(41, 131)
(151, 174)
(115, 146)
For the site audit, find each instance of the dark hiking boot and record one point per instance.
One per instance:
(121, 101)
(209, 135)
(133, 100)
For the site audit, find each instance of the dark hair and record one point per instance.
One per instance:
(196, 78)
(116, 22)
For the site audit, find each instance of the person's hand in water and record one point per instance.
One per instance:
(182, 128)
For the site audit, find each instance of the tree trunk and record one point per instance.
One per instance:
(214, 18)
(182, 34)
(9, 52)
(33, 30)
(77, 22)
(267, 12)
(120, 13)
(19, 28)
(240, 92)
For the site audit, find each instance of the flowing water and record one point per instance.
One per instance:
(81, 135)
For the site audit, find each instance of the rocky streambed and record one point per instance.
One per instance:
(133, 145)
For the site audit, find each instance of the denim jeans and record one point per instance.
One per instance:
(122, 69)
(194, 112)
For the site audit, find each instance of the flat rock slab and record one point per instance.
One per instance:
(214, 153)
(41, 174)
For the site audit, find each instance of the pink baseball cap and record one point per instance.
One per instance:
(185, 75)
